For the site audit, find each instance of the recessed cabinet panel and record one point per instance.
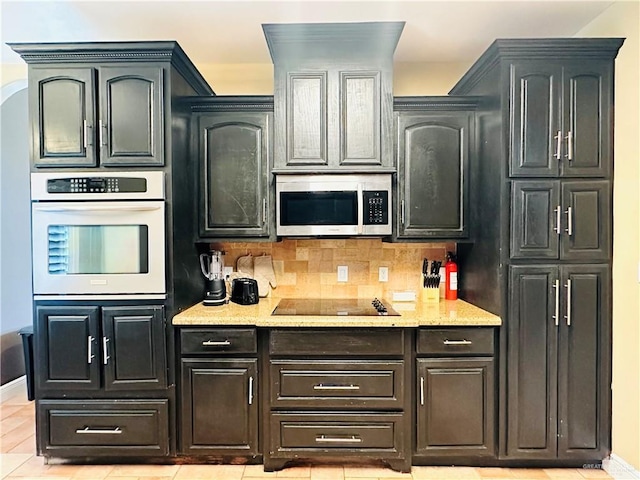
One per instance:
(532, 358)
(360, 132)
(587, 115)
(587, 233)
(235, 184)
(307, 119)
(433, 158)
(220, 407)
(133, 348)
(455, 406)
(584, 356)
(535, 219)
(62, 104)
(131, 129)
(67, 356)
(535, 119)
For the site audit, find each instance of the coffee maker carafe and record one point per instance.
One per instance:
(212, 266)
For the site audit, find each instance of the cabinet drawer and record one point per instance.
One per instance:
(217, 340)
(342, 342)
(355, 384)
(104, 427)
(328, 434)
(455, 341)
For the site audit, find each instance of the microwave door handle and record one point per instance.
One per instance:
(360, 209)
(87, 209)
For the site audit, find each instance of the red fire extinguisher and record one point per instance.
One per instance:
(451, 278)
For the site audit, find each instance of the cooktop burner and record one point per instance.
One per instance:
(333, 307)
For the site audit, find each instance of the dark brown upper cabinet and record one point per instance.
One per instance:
(234, 147)
(434, 142)
(567, 220)
(561, 117)
(104, 104)
(103, 115)
(333, 95)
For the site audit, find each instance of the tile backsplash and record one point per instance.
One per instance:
(308, 267)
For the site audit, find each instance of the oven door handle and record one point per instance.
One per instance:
(360, 223)
(107, 208)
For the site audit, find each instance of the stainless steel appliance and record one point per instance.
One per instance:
(98, 233)
(212, 266)
(334, 307)
(333, 205)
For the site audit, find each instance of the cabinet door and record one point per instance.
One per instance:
(62, 103)
(534, 308)
(584, 365)
(66, 354)
(587, 220)
(360, 105)
(131, 116)
(535, 219)
(455, 411)
(133, 348)
(587, 117)
(220, 407)
(432, 182)
(235, 165)
(536, 138)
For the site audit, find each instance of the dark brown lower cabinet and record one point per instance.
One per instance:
(455, 393)
(559, 350)
(220, 407)
(455, 407)
(84, 428)
(338, 394)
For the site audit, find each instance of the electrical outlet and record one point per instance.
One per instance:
(343, 273)
(383, 274)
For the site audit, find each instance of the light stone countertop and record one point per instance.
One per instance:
(412, 314)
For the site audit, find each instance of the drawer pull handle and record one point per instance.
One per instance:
(457, 342)
(213, 343)
(336, 387)
(325, 439)
(115, 431)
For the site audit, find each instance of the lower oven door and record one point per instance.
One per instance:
(98, 248)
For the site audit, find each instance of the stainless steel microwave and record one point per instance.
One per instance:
(333, 204)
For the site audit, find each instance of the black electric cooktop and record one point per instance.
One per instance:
(334, 307)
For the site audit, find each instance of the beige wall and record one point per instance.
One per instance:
(10, 73)
(621, 20)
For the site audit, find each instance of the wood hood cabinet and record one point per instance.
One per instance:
(333, 95)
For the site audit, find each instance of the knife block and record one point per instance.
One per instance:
(430, 295)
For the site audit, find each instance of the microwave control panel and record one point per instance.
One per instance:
(376, 207)
(97, 185)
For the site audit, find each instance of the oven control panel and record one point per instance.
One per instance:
(97, 185)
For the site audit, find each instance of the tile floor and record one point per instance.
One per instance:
(18, 461)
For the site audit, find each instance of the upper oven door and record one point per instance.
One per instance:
(98, 248)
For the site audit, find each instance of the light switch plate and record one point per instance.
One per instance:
(383, 274)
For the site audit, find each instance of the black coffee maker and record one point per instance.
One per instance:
(212, 266)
